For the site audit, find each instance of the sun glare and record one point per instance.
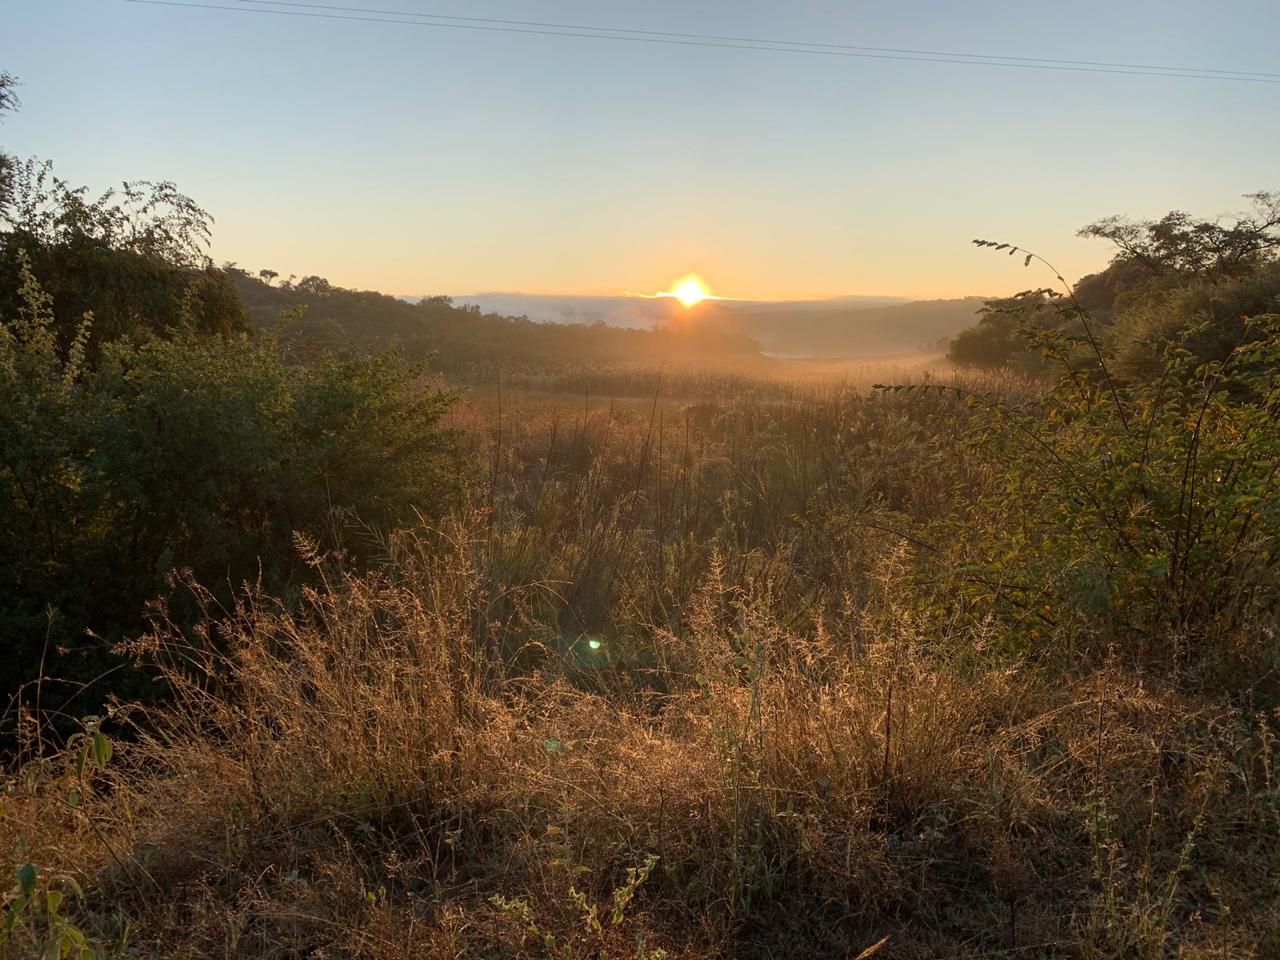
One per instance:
(690, 291)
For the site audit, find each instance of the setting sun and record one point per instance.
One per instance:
(690, 291)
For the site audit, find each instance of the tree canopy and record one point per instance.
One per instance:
(1181, 245)
(1166, 277)
(134, 257)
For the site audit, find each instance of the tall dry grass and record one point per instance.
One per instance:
(370, 774)
(675, 680)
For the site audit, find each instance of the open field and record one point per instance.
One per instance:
(691, 677)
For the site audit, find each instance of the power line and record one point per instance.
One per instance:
(602, 33)
(771, 42)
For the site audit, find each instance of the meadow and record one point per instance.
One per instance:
(693, 665)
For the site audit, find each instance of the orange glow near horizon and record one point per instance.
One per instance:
(690, 291)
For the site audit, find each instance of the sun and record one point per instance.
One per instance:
(690, 291)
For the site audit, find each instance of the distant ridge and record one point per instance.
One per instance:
(466, 339)
(852, 326)
(636, 312)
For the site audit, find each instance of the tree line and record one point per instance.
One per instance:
(1165, 279)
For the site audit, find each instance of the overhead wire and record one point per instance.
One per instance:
(694, 40)
(759, 40)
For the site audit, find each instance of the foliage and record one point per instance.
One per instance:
(1142, 517)
(1209, 318)
(33, 915)
(36, 922)
(8, 97)
(466, 343)
(132, 257)
(710, 632)
(8, 101)
(999, 340)
(1206, 249)
(190, 452)
(591, 938)
(370, 778)
(977, 667)
(1165, 276)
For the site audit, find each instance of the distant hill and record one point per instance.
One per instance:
(464, 339)
(521, 329)
(635, 312)
(853, 326)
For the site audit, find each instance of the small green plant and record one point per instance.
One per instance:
(34, 914)
(91, 750)
(589, 927)
(34, 919)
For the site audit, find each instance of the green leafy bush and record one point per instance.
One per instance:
(1165, 277)
(188, 453)
(1209, 318)
(1141, 518)
(134, 257)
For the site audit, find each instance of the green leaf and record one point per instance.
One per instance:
(12, 918)
(553, 745)
(27, 878)
(102, 749)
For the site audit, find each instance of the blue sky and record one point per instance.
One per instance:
(422, 160)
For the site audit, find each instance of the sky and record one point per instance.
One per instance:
(424, 160)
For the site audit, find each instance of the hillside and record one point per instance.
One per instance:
(641, 312)
(464, 338)
(517, 328)
(860, 327)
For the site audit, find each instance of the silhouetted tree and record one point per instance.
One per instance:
(1166, 276)
(134, 257)
(8, 101)
(315, 285)
(998, 339)
(1208, 249)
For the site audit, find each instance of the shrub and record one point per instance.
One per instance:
(1207, 318)
(135, 257)
(1142, 516)
(192, 452)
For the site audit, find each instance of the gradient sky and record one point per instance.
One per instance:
(417, 160)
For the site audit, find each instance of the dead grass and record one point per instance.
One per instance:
(365, 776)
(668, 684)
